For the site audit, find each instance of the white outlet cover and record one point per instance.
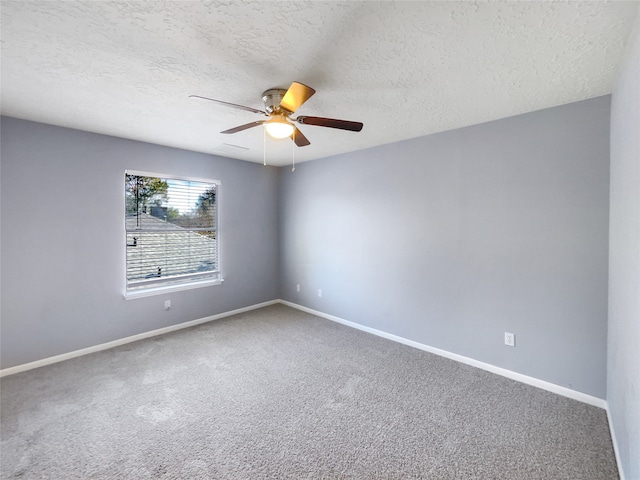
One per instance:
(510, 339)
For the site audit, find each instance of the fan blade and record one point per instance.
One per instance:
(331, 123)
(234, 105)
(244, 127)
(299, 139)
(297, 94)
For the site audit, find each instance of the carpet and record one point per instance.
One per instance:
(277, 393)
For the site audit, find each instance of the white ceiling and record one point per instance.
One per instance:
(404, 69)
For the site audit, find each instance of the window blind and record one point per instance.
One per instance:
(171, 231)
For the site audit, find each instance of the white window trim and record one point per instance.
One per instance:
(150, 292)
(164, 289)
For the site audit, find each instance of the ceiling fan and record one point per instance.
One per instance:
(279, 106)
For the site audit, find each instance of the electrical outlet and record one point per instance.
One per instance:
(298, 287)
(319, 292)
(510, 339)
(167, 304)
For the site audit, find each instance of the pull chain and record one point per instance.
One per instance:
(293, 152)
(264, 146)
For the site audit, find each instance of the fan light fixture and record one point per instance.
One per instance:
(278, 127)
(279, 106)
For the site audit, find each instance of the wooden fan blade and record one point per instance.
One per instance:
(299, 139)
(234, 105)
(244, 127)
(331, 123)
(297, 94)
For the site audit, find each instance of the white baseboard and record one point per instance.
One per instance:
(551, 387)
(133, 338)
(616, 451)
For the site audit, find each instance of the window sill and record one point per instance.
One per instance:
(149, 292)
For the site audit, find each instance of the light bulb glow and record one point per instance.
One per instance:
(278, 127)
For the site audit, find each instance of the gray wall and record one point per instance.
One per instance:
(623, 372)
(454, 238)
(449, 240)
(63, 239)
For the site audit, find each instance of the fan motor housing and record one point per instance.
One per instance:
(272, 98)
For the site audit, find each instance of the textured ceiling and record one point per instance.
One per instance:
(404, 69)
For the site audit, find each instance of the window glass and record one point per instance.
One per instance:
(172, 233)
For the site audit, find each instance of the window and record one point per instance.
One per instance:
(171, 233)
